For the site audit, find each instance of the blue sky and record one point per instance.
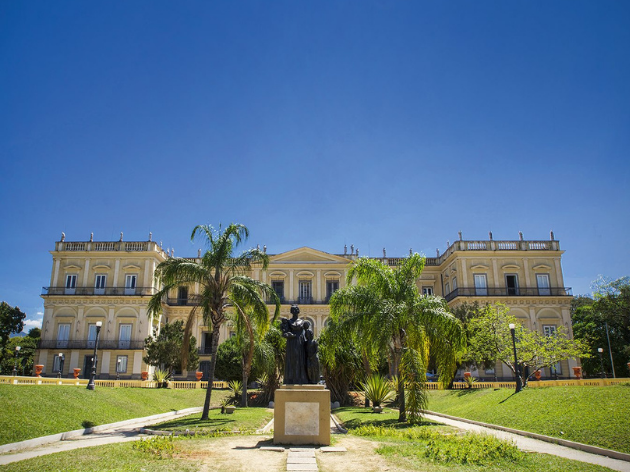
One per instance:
(375, 123)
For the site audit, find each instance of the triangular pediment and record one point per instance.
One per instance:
(307, 254)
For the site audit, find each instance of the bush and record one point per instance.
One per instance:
(377, 389)
(160, 446)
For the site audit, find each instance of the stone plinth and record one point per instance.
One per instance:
(301, 415)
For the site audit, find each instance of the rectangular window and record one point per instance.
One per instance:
(447, 289)
(454, 283)
(511, 283)
(549, 330)
(305, 291)
(182, 295)
(124, 339)
(71, 284)
(121, 364)
(130, 284)
(99, 284)
(91, 335)
(481, 285)
(278, 287)
(63, 335)
(427, 290)
(543, 284)
(331, 287)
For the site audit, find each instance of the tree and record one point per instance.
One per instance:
(491, 341)
(28, 346)
(229, 366)
(164, 350)
(11, 322)
(386, 308)
(223, 286)
(602, 319)
(251, 327)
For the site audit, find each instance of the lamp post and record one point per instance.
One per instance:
(62, 358)
(17, 353)
(90, 385)
(519, 385)
(118, 369)
(601, 360)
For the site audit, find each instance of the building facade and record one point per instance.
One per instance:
(111, 283)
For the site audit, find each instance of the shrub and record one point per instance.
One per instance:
(377, 389)
(160, 446)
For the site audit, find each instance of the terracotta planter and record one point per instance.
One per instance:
(38, 370)
(577, 371)
(537, 374)
(467, 375)
(145, 375)
(76, 372)
(198, 375)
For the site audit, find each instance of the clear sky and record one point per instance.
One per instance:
(315, 123)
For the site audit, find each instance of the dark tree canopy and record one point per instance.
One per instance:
(11, 321)
(165, 350)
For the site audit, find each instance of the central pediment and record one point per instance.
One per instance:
(307, 254)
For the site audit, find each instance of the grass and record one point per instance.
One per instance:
(430, 447)
(243, 420)
(30, 411)
(121, 456)
(590, 415)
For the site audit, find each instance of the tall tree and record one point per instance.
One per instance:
(603, 320)
(165, 349)
(11, 322)
(490, 340)
(386, 308)
(251, 327)
(223, 285)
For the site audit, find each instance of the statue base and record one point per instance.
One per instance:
(301, 415)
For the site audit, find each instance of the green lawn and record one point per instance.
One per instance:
(590, 415)
(243, 420)
(30, 411)
(437, 448)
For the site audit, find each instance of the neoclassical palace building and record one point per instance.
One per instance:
(110, 282)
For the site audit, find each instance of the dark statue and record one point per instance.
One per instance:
(301, 365)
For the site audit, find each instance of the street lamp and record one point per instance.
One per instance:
(17, 353)
(519, 385)
(601, 360)
(118, 369)
(62, 358)
(90, 385)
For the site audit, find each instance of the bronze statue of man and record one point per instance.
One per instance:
(295, 360)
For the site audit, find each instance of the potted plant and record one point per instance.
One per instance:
(537, 374)
(38, 370)
(198, 375)
(76, 372)
(377, 389)
(577, 371)
(145, 375)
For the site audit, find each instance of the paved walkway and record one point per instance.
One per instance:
(304, 458)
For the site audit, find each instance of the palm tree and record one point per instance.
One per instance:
(251, 327)
(223, 285)
(386, 309)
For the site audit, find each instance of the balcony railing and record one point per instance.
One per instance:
(191, 300)
(105, 291)
(508, 292)
(89, 344)
(107, 246)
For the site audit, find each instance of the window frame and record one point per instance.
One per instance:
(481, 291)
(126, 363)
(70, 287)
(542, 290)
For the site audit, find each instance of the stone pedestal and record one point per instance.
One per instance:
(301, 415)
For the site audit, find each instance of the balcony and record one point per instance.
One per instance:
(89, 344)
(508, 292)
(105, 291)
(191, 300)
